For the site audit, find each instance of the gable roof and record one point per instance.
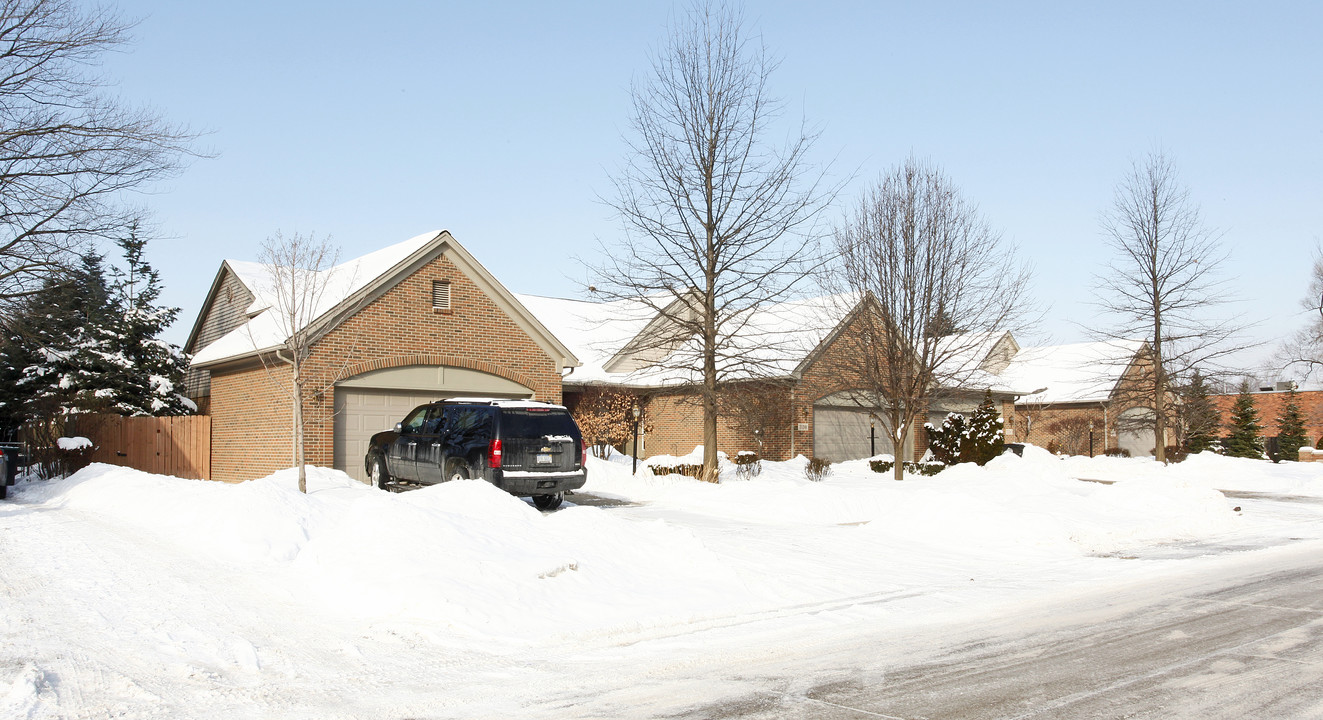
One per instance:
(1073, 373)
(611, 339)
(349, 286)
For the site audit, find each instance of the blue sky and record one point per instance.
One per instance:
(502, 122)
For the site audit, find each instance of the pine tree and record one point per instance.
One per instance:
(154, 368)
(1199, 415)
(71, 357)
(1291, 428)
(984, 440)
(1245, 432)
(87, 344)
(944, 442)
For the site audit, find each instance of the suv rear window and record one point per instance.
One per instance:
(532, 424)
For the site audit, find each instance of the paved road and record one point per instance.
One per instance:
(1249, 646)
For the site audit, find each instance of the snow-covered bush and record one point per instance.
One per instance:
(977, 440)
(748, 464)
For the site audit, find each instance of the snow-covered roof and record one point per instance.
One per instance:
(1074, 373)
(775, 339)
(264, 330)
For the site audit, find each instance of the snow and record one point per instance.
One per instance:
(131, 594)
(775, 339)
(73, 443)
(1077, 372)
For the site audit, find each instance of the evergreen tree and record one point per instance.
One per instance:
(1245, 432)
(71, 357)
(945, 442)
(85, 343)
(155, 368)
(1291, 428)
(1200, 417)
(984, 440)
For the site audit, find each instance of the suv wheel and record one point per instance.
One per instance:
(548, 502)
(380, 478)
(457, 470)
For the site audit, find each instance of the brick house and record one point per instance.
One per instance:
(790, 392)
(1087, 397)
(407, 324)
(1059, 396)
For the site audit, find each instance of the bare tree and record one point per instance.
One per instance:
(300, 270)
(920, 257)
(68, 152)
(718, 222)
(1304, 351)
(1163, 283)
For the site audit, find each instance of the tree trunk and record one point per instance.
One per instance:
(299, 456)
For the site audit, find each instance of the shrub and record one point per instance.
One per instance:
(1117, 452)
(692, 471)
(817, 469)
(747, 465)
(918, 468)
(1176, 453)
(977, 439)
(944, 442)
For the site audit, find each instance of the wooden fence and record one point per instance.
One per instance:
(179, 446)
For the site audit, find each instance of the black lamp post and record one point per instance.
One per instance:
(635, 412)
(872, 437)
(1090, 438)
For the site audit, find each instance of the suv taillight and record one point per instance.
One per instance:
(494, 454)
(584, 460)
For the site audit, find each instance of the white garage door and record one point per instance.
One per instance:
(842, 434)
(360, 414)
(1134, 432)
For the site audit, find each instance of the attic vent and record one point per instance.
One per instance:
(440, 295)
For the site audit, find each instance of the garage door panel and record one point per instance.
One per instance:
(843, 434)
(360, 414)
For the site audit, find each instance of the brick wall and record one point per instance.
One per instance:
(674, 422)
(250, 423)
(1269, 405)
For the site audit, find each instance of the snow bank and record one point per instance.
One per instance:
(466, 559)
(1032, 503)
(466, 554)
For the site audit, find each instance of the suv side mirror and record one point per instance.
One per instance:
(399, 427)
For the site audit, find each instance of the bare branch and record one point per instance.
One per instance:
(68, 154)
(926, 264)
(718, 223)
(1163, 285)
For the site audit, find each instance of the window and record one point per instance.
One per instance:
(440, 295)
(414, 423)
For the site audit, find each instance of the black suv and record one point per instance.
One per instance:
(524, 447)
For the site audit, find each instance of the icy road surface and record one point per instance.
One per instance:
(998, 592)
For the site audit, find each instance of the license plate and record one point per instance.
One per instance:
(543, 459)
